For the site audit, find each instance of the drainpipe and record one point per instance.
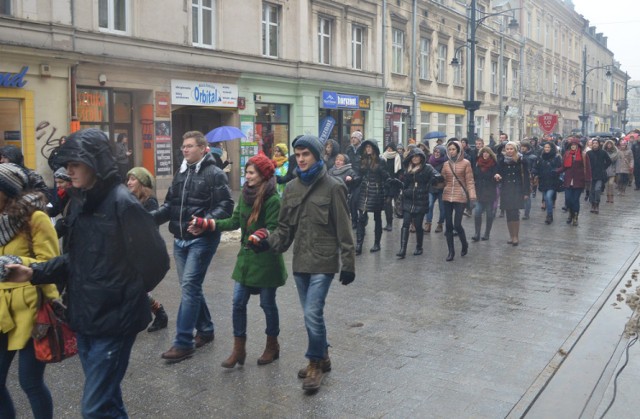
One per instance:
(413, 69)
(384, 44)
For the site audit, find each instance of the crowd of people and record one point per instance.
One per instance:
(316, 199)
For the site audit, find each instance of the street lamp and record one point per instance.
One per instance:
(585, 72)
(472, 105)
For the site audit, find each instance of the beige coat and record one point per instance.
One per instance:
(453, 191)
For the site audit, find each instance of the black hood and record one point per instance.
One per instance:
(13, 153)
(373, 143)
(91, 147)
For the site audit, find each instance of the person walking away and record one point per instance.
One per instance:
(140, 183)
(600, 161)
(254, 273)
(624, 166)
(577, 174)
(200, 189)
(281, 160)
(315, 214)
(515, 188)
(27, 236)
(485, 183)
(459, 188)
(374, 175)
(416, 180)
(436, 160)
(547, 178)
(612, 151)
(106, 269)
(122, 154)
(393, 164)
(531, 159)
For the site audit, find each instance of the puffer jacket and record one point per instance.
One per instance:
(372, 187)
(624, 163)
(547, 170)
(612, 151)
(111, 240)
(200, 189)
(453, 191)
(416, 184)
(600, 161)
(317, 217)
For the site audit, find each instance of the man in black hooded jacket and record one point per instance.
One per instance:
(115, 256)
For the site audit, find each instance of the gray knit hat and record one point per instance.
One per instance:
(61, 173)
(312, 143)
(13, 179)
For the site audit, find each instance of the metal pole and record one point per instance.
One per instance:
(414, 112)
(471, 123)
(626, 104)
(500, 78)
(584, 117)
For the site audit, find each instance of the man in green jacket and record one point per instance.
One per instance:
(315, 213)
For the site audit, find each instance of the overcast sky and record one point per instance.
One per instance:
(619, 21)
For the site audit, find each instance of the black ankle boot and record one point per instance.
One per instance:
(465, 243)
(160, 321)
(419, 240)
(452, 252)
(404, 239)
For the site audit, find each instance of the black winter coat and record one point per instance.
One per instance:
(547, 171)
(416, 186)
(599, 160)
(486, 192)
(372, 191)
(201, 191)
(515, 184)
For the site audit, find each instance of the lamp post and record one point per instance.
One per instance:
(471, 105)
(584, 117)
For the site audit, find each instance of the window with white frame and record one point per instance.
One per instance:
(324, 40)
(270, 29)
(202, 23)
(515, 88)
(425, 46)
(442, 122)
(425, 122)
(505, 72)
(458, 127)
(494, 77)
(480, 73)
(442, 63)
(357, 46)
(397, 52)
(113, 15)
(457, 69)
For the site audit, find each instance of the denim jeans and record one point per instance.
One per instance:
(572, 198)
(241, 295)
(482, 207)
(527, 206)
(104, 363)
(31, 378)
(433, 197)
(595, 191)
(312, 290)
(192, 260)
(549, 197)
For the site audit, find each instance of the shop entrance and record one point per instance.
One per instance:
(10, 123)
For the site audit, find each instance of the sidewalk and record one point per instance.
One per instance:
(489, 335)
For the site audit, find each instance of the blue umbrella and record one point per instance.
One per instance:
(434, 134)
(224, 133)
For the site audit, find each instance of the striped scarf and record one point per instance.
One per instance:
(10, 226)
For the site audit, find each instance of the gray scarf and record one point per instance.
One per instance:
(11, 225)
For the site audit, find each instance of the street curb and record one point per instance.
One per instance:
(537, 388)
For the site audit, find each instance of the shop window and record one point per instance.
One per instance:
(113, 15)
(458, 127)
(107, 110)
(442, 122)
(10, 122)
(347, 121)
(271, 126)
(270, 28)
(425, 122)
(202, 23)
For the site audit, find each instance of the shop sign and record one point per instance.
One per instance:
(326, 126)
(401, 109)
(200, 93)
(163, 105)
(547, 122)
(334, 100)
(14, 79)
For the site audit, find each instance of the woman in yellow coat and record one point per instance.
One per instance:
(26, 236)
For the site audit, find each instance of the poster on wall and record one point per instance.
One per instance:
(250, 145)
(163, 105)
(163, 148)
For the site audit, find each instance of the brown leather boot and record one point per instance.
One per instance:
(313, 380)
(271, 351)
(325, 365)
(427, 227)
(239, 353)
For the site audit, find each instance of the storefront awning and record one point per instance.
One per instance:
(434, 107)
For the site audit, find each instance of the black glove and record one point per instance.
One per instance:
(472, 204)
(586, 195)
(347, 277)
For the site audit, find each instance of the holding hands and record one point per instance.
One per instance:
(199, 225)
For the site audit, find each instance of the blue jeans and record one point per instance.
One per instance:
(31, 378)
(192, 260)
(595, 192)
(527, 206)
(104, 363)
(433, 197)
(572, 199)
(241, 295)
(483, 207)
(312, 290)
(549, 196)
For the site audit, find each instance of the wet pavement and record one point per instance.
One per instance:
(502, 332)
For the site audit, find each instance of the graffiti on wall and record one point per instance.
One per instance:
(46, 136)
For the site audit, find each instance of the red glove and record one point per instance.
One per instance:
(258, 240)
(203, 223)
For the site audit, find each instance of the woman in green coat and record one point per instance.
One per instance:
(254, 273)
